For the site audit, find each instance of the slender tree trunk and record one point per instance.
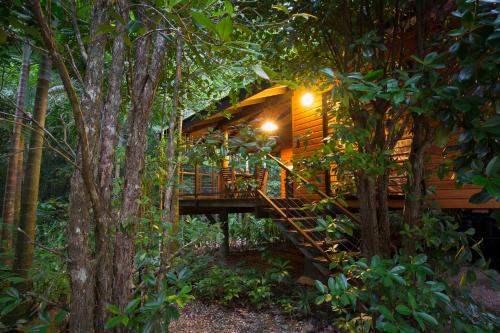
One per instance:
(13, 165)
(27, 223)
(384, 227)
(19, 186)
(171, 195)
(109, 123)
(148, 65)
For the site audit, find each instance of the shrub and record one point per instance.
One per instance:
(410, 293)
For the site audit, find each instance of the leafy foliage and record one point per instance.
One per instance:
(410, 293)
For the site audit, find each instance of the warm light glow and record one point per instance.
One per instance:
(307, 99)
(269, 126)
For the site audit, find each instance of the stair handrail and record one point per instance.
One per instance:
(284, 216)
(321, 193)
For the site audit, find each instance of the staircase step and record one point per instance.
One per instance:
(322, 259)
(323, 242)
(308, 230)
(314, 218)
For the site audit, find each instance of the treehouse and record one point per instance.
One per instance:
(298, 122)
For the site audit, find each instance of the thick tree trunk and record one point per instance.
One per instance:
(13, 165)
(104, 223)
(367, 196)
(421, 143)
(27, 222)
(147, 70)
(83, 300)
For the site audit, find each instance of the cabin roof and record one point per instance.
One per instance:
(250, 103)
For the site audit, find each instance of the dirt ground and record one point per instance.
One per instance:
(213, 318)
(486, 290)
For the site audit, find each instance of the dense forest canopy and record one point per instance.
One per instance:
(100, 183)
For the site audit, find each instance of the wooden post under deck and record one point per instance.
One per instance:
(224, 221)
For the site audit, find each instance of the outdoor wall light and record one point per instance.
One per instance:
(307, 99)
(269, 126)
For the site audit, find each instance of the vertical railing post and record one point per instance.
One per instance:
(213, 179)
(195, 181)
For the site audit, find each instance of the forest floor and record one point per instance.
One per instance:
(486, 289)
(203, 317)
(214, 318)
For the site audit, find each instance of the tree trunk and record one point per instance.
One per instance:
(27, 222)
(384, 227)
(19, 187)
(367, 196)
(104, 223)
(13, 165)
(147, 70)
(171, 191)
(83, 191)
(421, 143)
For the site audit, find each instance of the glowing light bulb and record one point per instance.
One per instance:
(307, 99)
(269, 126)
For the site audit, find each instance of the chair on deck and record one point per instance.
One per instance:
(229, 179)
(260, 176)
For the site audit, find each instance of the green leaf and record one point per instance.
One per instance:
(260, 72)
(443, 297)
(465, 74)
(132, 305)
(411, 300)
(328, 72)
(480, 197)
(493, 167)
(442, 136)
(228, 6)
(320, 286)
(397, 269)
(479, 180)
(386, 327)
(374, 75)
(115, 321)
(282, 8)
(385, 312)
(203, 21)
(429, 58)
(224, 28)
(403, 309)
(113, 309)
(427, 317)
(3, 36)
(420, 259)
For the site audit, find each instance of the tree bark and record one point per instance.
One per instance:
(83, 194)
(27, 223)
(104, 224)
(367, 196)
(13, 165)
(19, 187)
(421, 143)
(148, 65)
(171, 195)
(384, 227)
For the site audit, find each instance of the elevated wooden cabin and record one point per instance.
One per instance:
(293, 114)
(298, 114)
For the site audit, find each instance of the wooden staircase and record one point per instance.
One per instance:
(304, 222)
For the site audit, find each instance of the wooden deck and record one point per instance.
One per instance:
(214, 205)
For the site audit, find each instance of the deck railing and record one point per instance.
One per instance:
(211, 182)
